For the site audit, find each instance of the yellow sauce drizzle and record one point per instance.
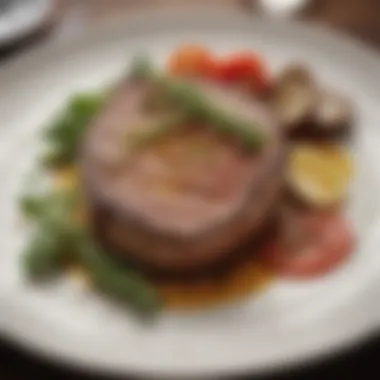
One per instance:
(249, 277)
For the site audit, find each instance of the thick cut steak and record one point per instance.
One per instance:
(186, 200)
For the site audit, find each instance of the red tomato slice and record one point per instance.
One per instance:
(321, 242)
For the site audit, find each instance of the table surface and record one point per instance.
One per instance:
(360, 18)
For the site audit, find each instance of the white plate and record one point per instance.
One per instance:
(291, 322)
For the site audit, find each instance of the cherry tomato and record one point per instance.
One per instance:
(191, 60)
(245, 68)
(313, 246)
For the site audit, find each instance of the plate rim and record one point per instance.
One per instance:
(135, 22)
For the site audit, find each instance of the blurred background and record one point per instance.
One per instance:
(26, 24)
(29, 22)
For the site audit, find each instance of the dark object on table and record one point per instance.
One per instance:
(16, 365)
(23, 22)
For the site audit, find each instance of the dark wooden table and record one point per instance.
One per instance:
(360, 18)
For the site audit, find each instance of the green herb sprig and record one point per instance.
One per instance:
(65, 132)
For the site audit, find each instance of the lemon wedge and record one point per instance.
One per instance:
(320, 174)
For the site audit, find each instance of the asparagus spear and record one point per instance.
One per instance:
(141, 67)
(196, 105)
(239, 129)
(200, 106)
(121, 283)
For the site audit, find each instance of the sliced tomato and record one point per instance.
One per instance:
(313, 246)
(191, 60)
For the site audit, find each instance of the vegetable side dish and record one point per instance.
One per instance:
(194, 184)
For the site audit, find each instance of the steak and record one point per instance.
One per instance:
(188, 199)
